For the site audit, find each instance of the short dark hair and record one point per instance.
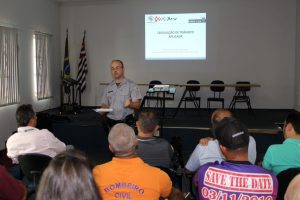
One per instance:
(24, 113)
(148, 120)
(232, 134)
(68, 176)
(294, 119)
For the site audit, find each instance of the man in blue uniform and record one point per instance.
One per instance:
(121, 95)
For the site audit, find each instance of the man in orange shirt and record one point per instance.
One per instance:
(127, 176)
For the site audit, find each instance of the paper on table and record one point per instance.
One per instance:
(103, 110)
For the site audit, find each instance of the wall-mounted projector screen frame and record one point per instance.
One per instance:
(175, 36)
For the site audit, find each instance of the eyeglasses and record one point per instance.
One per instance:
(116, 68)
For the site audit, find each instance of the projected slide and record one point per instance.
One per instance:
(175, 36)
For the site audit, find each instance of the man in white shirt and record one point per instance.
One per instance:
(29, 139)
(208, 150)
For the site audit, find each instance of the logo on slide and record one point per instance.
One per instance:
(154, 19)
(151, 19)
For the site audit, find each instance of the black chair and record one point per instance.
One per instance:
(175, 177)
(284, 178)
(241, 96)
(159, 97)
(32, 166)
(152, 96)
(189, 186)
(190, 95)
(217, 93)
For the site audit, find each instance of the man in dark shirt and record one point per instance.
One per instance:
(153, 150)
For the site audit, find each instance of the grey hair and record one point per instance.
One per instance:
(121, 137)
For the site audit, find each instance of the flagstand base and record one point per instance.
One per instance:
(70, 104)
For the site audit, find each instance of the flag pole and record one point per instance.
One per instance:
(66, 66)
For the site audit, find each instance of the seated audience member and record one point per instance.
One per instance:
(280, 157)
(127, 176)
(208, 150)
(293, 190)
(29, 139)
(10, 188)
(68, 176)
(153, 150)
(236, 177)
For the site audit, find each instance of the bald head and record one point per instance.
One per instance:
(122, 139)
(219, 114)
(293, 190)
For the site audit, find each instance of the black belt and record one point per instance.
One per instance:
(129, 120)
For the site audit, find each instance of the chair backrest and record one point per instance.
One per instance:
(193, 88)
(154, 82)
(33, 164)
(284, 178)
(217, 89)
(175, 178)
(242, 89)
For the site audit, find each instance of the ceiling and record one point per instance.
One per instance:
(61, 1)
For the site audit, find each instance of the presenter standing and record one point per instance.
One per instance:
(122, 96)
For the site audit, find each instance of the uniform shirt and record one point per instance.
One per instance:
(10, 188)
(115, 96)
(235, 180)
(131, 178)
(280, 157)
(155, 151)
(32, 140)
(211, 153)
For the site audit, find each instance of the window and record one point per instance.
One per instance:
(42, 58)
(9, 84)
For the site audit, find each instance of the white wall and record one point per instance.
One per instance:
(246, 40)
(28, 16)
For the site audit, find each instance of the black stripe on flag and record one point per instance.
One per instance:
(82, 68)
